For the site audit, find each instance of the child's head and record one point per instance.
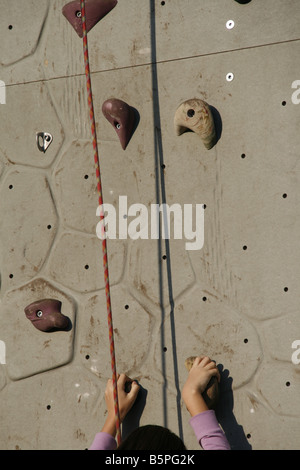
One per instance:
(152, 437)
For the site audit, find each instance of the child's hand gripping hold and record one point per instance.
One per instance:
(201, 372)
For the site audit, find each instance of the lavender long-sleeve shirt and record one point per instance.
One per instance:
(205, 425)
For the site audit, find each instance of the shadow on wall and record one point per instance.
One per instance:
(217, 121)
(132, 419)
(234, 432)
(161, 199)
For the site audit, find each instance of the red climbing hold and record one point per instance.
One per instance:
(95, 10)
(46, 315)
(122, 118)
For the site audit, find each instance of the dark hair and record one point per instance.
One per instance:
(152, 437)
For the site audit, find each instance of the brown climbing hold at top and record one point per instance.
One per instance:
(211, 393)
(195, 115)
(122, 118)
(46, 315)
(95, 10)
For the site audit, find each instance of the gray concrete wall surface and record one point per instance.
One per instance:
(235, 298)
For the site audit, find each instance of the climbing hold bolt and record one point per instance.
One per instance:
(230, 24)
(229, 77)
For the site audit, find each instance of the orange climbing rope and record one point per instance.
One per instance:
(104, 245)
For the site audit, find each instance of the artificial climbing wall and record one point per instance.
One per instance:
(236, 299)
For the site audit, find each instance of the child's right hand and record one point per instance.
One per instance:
(202, 370)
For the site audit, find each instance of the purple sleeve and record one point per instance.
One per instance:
(103, 441)
(208, 432)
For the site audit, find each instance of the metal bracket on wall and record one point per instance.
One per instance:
(43, 140)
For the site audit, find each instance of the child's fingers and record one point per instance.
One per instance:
(197, 361)
(209, 365)
(205, 361)
(122, 379)
(215, 372)
(108, 384)
(134, 390)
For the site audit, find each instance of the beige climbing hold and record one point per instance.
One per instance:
(195, 115)
(189, 362)
(211, 393)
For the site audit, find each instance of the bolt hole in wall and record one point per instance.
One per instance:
(230, 24)
(10, 27)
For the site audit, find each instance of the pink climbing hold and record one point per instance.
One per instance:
(122, 118)
(46, 315)
(95, 10)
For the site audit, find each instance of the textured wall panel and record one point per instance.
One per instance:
(31, 101)
(44, 351)
(26, 234)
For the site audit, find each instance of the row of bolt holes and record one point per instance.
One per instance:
(162, 3)
(164, 257)
(78, 14)
(248, 435)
